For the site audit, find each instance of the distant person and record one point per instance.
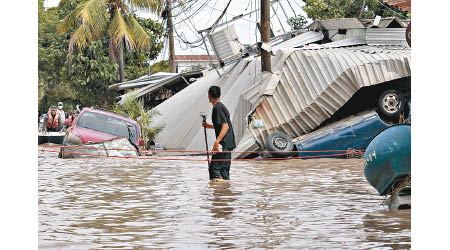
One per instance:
(53, 121)
(224, 137)
(61, 111)
(71, 118)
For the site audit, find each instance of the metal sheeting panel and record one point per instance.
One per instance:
(314, 84)
(300, 40)
(390, 36)
(181, 113)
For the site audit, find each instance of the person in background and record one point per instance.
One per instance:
(53, 121)
(61, 111)
(72, 116)
(219, 167)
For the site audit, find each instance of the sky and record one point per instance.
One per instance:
(186, 25)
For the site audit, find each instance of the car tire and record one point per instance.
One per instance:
(391, 103)
(279, 144)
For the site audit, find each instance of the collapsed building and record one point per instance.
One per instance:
(313, 76)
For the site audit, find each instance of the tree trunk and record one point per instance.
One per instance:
(120, 57)
(171, 42)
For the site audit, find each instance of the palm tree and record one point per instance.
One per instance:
(91, 19)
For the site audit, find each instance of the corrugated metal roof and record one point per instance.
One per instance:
(336, 23)
(181, 112)
(142, 81)
(352, 41)
(385, 22)
(314, 83)
(300, 40)
(390, 36)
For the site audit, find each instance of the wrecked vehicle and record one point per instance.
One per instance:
(349, 134)
(94, 125)
(387, 164)
(100, 149)
(351, 128)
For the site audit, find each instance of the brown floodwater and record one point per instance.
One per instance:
(111, 203)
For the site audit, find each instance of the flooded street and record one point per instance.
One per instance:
(141, 204)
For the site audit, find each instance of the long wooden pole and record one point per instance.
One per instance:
(171, 42)
(206, 138)
(265, 34)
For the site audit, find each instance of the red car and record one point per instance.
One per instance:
(95, 125)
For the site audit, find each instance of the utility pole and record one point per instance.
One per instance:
(171, 42)
(265, 35)
(362, 8)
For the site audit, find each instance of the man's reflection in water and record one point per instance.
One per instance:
(222, 196)
(221, 237)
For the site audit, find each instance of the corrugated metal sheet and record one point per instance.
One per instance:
(314, 84)
(181, 113)
(142, 81)
(352, 41)
(390, 36)
(300, 40)
(151, 85)
(392, 22)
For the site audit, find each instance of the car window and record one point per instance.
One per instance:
(107, 124)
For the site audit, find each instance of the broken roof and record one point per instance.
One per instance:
(142, 81)
(385, 22)
(336, 23)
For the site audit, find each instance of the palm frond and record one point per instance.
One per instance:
(90, 18)
(118, 30)
(70, 21)
(141, 39)
(93, 15)
(154, 6)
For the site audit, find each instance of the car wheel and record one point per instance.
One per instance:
(391, 103)
(279, 144)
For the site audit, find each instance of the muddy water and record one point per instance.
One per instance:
(143, 204)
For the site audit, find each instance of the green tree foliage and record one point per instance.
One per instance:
(161, 66)
(92, 19)
(51, 51)
(298, 22)
(92, 71)
(326, 9)
(136, 63)
(134, 108)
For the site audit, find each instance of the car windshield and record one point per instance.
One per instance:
(107, 124)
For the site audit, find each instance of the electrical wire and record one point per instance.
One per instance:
(195, 12)
(295, 14)
(230, 14)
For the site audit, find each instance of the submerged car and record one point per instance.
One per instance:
(349, 135)
(95, 125)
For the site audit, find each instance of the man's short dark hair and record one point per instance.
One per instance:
(214, 91)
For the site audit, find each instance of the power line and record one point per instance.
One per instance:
(295, 14)
(196, 12)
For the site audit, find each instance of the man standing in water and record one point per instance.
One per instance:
(224, 136)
